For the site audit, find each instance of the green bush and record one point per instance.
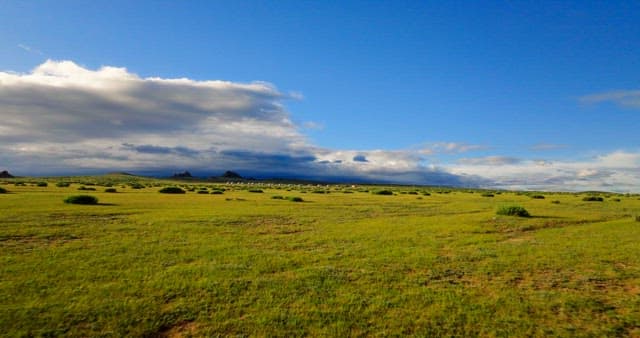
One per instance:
(86, 189)
(81, 199)
(171, 190)
(216, 192)
(42, 184)
(637, 218)
(555, 202)
(203, 192)
(3, 190)
(277, 197)
(295, 199)
(258, 191)
(615, 199)
(136, 186)
(487, 195)
(538, 197)
(111, 190)
(383, 192)
(513, 210)
(63, 184)
(593, 199)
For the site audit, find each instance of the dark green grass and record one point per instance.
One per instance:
(145, 264)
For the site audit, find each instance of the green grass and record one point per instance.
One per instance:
(243, 264)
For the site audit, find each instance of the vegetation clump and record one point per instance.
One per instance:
(295, 199)
(171, 190)
(256, 190)
(3, 190)
(537, 197)
(486, 194)
(83, 188)
(555, 202)
(42, 184)
(110, 190)
(593, 199)
(383, 192)
(63, 184)
(513, 210)
(81, 199)
(216, 192)
(277, 197)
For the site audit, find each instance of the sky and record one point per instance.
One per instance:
(531, 95)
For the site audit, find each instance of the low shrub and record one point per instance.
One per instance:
(615, 199)
(3, 190)
(538, 197)
(216, 192)
(136, 186)
(111, 190)
(637, 218)
(320, 192)
(555, 202)
(412, 193)
(63, 184)
(171, 190)
(83, 188)
(513, 210)
(295, 199)
(42, 184)
(426, 194)
(487, 195)
(383, 192)
(258, 191)
(277, 197)
(203, 192)
(81, 199)
(593, 199)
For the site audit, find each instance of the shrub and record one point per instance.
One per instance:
(320, 192)
(538, 197)
(593, 199)
(277, 197)
(3, 190)
(256, 190)
(42, 184)
(111, 190)
(81, 199)
(487, 195)
(637, 218)
(412, 193)
(426, 194)
(383, 192)
(295, 199)
(203, 192)
(216, 192)
(555, 202)
(87, 189)
(171, 190)
(63, 184)
(615, 199)
(136, 186)
(513, 210)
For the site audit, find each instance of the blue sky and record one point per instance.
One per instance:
(536, 95)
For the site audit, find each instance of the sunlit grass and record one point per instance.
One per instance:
(143, 263)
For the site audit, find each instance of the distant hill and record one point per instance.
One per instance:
(5, 174)
(231, 174)
(185, 174)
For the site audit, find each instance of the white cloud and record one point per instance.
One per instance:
(66, 118)
(450, 148)
(616, 171)
(625, 98)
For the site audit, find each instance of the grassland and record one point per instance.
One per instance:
(345, 262)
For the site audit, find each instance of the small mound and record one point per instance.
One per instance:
(81, 199)
(513, 210)
(171, 190)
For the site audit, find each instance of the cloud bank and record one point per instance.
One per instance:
(62, 118)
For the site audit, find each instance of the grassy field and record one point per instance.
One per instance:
(345, 262)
